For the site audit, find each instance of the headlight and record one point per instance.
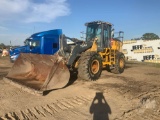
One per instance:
(13, 56)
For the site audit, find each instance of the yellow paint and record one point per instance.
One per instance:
(94, 46)
(109, 54)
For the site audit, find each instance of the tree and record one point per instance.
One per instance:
(2, 45)
(150, 36)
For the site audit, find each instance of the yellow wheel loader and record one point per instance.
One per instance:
(37, 73)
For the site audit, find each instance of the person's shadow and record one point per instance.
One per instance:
(99, 107)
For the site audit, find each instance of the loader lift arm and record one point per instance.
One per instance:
(71, 55)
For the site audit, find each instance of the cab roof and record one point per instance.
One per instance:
(98, 22)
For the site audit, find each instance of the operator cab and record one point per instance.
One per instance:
(100, 30)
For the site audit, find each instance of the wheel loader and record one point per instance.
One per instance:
(37, 73)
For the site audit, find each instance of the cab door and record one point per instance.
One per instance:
(106, 36)
(51, 44)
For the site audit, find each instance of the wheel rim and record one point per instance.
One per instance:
(95, 66)
(121, 63)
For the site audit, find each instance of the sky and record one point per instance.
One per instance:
(19, 19)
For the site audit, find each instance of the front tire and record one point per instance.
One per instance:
(90, 66)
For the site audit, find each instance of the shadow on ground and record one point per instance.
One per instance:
(100, 108)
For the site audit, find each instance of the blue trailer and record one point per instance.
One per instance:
(46, 42)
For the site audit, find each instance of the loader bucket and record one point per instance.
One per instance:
(39, 72)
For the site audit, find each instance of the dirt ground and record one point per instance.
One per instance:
(132, 95)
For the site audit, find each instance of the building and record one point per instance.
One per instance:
(142, 50)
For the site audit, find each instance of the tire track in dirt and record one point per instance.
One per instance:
(148, 109)
(139, 112)
(136, 115)
(152, 92)
(143, 110)
(130, 87)
(53, 110)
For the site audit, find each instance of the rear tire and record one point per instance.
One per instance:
(120, 64)
(90, 66)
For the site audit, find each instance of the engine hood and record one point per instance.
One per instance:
(18, 50)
